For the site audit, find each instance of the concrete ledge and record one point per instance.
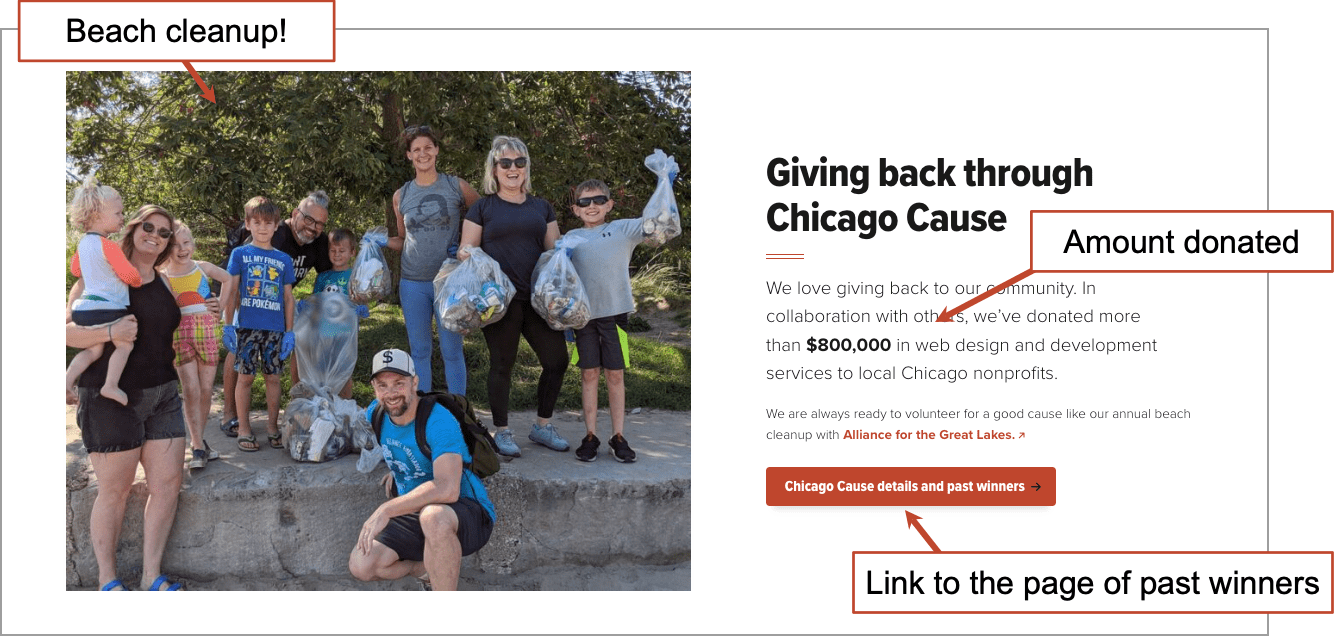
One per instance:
(263, 518)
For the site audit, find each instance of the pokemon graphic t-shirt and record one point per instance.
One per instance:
(263, 275)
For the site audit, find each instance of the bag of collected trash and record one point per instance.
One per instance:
(318, 425)
(325, 427)
(660, 217)
(471, 293)
(556, 292)
(371, 278)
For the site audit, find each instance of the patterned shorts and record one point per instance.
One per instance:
(259, 349)
(197, 336)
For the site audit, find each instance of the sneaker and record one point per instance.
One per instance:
(620, 450)
(506, 445)
(198, 458)
(587, 451)
(210, 453)
(547, 436)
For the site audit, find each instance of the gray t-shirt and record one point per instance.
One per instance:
(432, 226)
(602, 264)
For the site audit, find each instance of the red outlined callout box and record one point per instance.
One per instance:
(177, 31)
(1093, 582)
(1182, 241)
(910, 486)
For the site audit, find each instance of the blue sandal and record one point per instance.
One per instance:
(112, 585)
(229, 428)
(157, 585)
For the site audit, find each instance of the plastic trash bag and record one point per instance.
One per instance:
(325, 427)
(371, 278)
(317, 425)
(471, 293)
(660, 217)
(326, 335)
(557, 293)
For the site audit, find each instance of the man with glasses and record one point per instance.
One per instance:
(303, 237)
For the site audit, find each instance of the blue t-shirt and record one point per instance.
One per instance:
(331, 280)
(408, 464)
(263, 276)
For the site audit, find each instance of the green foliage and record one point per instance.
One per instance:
(658, 283)
(658, 378)
(154, 138)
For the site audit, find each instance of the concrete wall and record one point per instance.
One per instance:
(301, 520)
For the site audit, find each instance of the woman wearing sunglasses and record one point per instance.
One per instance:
(514, 228)
(428, 212)
(149, 431)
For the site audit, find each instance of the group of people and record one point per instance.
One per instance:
(145, 305)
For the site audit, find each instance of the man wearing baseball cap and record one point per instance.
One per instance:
(442, 512)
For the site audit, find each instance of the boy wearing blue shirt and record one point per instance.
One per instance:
(261, 301)
(443, 512)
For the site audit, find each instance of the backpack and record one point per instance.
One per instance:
(482, 448)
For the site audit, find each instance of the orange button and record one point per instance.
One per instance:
(893, 486)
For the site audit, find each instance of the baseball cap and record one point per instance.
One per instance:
(392, 360)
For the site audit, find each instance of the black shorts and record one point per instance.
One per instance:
(603, 343)
(404, 534)
(108, 427)
(90, 317)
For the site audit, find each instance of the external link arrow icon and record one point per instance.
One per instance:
(205, 90)
(912, 520)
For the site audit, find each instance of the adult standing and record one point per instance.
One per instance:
(150, 430)
(428, 212)
(514, 228)
(302, 236)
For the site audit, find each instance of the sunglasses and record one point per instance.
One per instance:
(310, 219)
(598, 200)
(417, 130)
(520, 162)
(163, 232)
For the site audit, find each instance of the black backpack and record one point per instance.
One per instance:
(482, 447)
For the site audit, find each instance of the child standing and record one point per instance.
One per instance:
(108, 277)
(196, 341)
(262, 295)
(602, 263)
(336, 279)
(341, 252)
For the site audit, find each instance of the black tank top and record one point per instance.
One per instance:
(150, 362)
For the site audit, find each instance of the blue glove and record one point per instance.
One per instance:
(287, 347)
(230, 338)
(362, 311)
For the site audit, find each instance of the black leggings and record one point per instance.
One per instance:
(503, 337)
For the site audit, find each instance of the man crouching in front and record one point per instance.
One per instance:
(443, 512)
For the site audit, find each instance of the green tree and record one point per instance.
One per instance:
(154, 138)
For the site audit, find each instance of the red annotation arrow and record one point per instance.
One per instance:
(207, 91)
(912, 521)
(948, 315)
